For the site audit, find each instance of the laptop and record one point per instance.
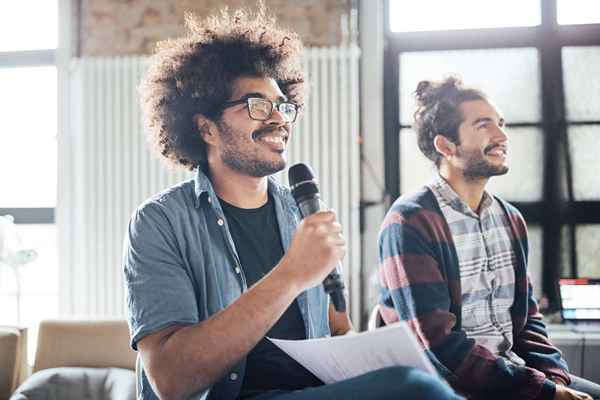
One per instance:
(580, 303)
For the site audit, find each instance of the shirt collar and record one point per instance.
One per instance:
(448, 195)
(203, 188)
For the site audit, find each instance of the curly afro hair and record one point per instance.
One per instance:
(438, 112)
(194, 75)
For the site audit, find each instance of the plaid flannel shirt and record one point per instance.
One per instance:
(420, 284)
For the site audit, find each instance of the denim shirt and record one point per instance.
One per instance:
(181, 267)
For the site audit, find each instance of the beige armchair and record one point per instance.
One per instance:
(81, 359)
(13, 359)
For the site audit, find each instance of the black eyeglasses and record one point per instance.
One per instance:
(261, 109)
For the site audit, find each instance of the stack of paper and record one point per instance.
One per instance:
(333, 359)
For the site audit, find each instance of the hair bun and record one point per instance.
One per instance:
(431, 91)
(423, 91)
(450, 85)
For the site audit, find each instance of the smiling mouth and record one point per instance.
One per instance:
(274, 138)
(496, 151)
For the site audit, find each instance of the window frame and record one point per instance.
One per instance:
(556, 209)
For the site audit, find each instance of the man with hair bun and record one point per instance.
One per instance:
(218, 262)
(453, 260)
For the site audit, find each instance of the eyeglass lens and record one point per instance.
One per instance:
(261, 109)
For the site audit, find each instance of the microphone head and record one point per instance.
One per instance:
(302, 182)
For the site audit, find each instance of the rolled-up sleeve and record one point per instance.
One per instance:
(159, 290)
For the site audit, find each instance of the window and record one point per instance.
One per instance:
(23, 29)
(570, 12)
(520, 55)
(28, 164)
(436, 15)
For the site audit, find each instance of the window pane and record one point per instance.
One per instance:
(578, 11)
(582, 82)
(565, 251)
(28, 137)
(28, 25)
(523, 182)
(415, 169)
(511, 78)
(535, 259)
(584, 142)
(436, 15)
(588, 250)
(39, 277)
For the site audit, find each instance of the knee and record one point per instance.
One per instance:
(411, 383)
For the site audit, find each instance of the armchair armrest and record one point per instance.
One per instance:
(13, 359)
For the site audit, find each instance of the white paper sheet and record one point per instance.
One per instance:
(338, 358)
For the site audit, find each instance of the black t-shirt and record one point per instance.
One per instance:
(256, 236)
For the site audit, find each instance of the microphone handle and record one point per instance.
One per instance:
(333, 283)
(309, 206)
(334, 286)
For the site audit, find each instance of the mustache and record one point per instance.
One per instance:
(270, 129)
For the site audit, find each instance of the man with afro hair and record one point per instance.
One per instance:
(217, 263)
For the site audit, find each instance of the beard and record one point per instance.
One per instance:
(242, 156)
(477, 167)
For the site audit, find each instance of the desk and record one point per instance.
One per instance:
(581, 349)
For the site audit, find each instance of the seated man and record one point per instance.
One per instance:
(216, 263)
(453, 260)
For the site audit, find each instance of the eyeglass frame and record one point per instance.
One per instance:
(274, 105)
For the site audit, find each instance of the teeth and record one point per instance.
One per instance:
(498, 152)
(272, 139)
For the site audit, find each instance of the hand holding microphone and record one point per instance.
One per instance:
(319, 235)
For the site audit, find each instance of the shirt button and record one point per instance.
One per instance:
(209, 200)
(220, 222)
(233, 376)
(237, 270)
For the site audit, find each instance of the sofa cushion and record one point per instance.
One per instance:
(78, 383)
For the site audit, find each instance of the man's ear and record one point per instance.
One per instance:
(444, 146)
(207, 128)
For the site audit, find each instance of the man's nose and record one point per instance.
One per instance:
(276, 118)
(500, 134)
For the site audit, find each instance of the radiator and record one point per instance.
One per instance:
(106, 170)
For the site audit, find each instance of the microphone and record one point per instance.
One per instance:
(306, 193)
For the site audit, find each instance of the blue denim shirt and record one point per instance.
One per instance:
(181, 267)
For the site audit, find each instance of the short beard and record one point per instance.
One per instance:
(476, 167)
(240, 161)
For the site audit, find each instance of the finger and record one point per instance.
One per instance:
(336, 227)
(328, 215)
(337, 239)
(582, 395)
(319, 216)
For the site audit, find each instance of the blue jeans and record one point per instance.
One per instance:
(385, 384)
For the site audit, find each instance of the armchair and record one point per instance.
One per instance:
(13, 359)
(81, 359)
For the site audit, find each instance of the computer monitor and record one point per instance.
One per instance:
(580, 299)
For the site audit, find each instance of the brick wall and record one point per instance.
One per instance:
(127, 27)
